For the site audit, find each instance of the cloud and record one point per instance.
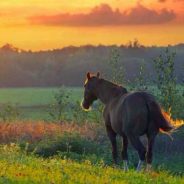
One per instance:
(104, 15)
(162, 1)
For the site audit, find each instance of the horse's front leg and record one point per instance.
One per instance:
(112, 136)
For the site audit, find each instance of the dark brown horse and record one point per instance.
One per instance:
(129, 115)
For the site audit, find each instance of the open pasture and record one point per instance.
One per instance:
(36, 151)
(34, 103)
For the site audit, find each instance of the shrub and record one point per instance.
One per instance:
(169, 95)
(57, 110)
(68, 142)
(77, 113)
(9, 112)
(141, 79)
(117, 70)
(96, 115)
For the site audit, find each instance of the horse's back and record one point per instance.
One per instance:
(129, 114)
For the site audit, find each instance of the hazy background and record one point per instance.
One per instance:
(68, 66)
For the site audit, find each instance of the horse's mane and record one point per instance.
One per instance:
(116, 89)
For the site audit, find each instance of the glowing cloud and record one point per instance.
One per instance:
(104, 15)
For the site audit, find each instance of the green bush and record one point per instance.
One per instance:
(140, 82)
(57, 110)
(9, 112)
(170, 97)
(117, 71)
(78, 115)
(66, 143)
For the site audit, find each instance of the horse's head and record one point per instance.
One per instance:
(90, 88)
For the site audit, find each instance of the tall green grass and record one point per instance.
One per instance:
(18, 167)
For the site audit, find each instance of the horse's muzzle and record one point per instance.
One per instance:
(85, 105)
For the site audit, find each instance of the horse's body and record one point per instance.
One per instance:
(130, 115)
(127, 114)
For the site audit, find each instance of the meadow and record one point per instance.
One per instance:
(30, 169)
(33, 103)
(36, 147)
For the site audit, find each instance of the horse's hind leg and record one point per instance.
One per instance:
(124, 153)
(137, 144)
(112, 136)
(149, 154)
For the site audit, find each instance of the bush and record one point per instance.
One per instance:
(140, 81)
(67, 143)
(117, 70)
(77, 113)
(9, 112)
(169, 96)
(57, 109)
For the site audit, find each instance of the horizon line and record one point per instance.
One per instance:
(18, 49)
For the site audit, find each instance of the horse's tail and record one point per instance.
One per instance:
(156, 115)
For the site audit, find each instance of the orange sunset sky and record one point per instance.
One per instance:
(48, 24)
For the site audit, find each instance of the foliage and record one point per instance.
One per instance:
(9, 112)
(63, 65)
(57, 109)
(96, 115)
(77, 113)
(117, 72)
(140, 81)
(67, 142)
(169, 95)
(66, 108)
(32, 132)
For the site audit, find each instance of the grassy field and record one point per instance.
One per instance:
(16, 167)
(36, 151)
(34, 103)
(28, 97)
(70, 153)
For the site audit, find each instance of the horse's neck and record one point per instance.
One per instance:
(107, 91)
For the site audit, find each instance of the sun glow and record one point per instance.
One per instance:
(89, 22)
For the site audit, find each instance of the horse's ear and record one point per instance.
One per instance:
(98, 74)
(88, 76)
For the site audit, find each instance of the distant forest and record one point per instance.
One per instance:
(68, 66)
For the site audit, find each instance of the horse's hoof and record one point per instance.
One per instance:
(125, 167)
(148, 168)
(140, 166)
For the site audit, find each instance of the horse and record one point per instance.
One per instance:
(128, 114)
